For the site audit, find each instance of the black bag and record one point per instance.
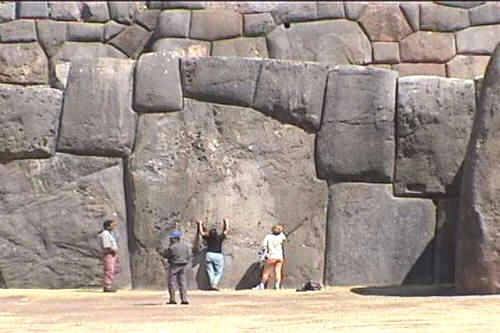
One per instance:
(310, 286)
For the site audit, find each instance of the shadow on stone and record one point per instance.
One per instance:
(201, 273)
(407, 291)
(422, 270)
(251, 277)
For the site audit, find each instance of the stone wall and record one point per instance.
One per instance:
(161, 113)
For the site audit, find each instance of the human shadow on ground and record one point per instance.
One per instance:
(251, 278)
(407, 290)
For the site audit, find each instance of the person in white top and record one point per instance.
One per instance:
(273, 247)
(109, 254)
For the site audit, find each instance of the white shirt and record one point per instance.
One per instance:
(108, 240)
(274, 245)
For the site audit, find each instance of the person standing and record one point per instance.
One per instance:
(214, 259)
(178, 255)
(109, 255)
(273, 247)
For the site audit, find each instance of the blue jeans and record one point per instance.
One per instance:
(215, 266)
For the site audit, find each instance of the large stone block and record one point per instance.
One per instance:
(97, 114)
(29, 120)
(32, 9)
(291, 92)
(290, 11)
(182, 47)
(386, 53)
(411, 10)
(408, 69)
(443, 18)
(214, 25)
(384, 22)
(132, 40)
(224, 80)
(173, 23)
(147, 18)
(23, 63)
(330, 10)
(51, 35)
(356, 140)
(123, 11)
(243, 162)
(444, 241)
(85, 32)
(354, 9)
(478, 234)
(94, 11)
(258, 24)
(111, 29)
(434, 121)
(18, 31)
(424, 46)
(64, 10)
(157, 83)
(467, 67)
(489, 13)
(7, 11)
(71, 51)
(478, 40)
(52, 210)
(334, 42)
(241, 47)
(374, 238)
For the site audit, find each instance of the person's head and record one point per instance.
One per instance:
(109, 225)
(175, 235)
(212, 232)
(277, 229)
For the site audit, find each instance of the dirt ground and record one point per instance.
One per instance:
(397, 309)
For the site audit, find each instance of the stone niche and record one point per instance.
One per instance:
(213, 161)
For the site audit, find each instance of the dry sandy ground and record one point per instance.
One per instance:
(329, 310)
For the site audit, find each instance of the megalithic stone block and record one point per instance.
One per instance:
(97, 114)
(478, 234)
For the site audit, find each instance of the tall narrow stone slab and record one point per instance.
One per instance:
(356, 140)
(374, 238)
(52, 210)
(434, 121)
(97, 114)
(224, 80)
(214, 161)
(29, 121)
(291, 92)
(478, 233)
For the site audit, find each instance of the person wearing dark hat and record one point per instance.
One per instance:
(178, 255)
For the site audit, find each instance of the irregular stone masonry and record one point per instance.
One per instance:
(255, 158)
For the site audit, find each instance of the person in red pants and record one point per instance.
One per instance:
(109, 255)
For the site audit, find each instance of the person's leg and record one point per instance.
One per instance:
(218, 264)
(171, 284)
(209, 263)
(277, 273)
(108, 270)
(268, 269)
(181, 282)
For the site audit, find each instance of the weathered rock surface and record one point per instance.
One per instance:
(444, 241)
(408, 69)
(386, 53)
(489, 13)
(18, 31)
(467, 67)
(29, 120)
(478, 233)
(123, 11)
(384, 22)
(330, 10)
(182, 47)
(51, 35)
(111, 29)
(376, 239)
(214, 25)
(434, 121)
(94, 11)
(424, 46)
(23, 63)
(132, 40)
(461, 4)
(97, 114)
(85, 32)
(64, 10)
(478, 40)
(243, 162)
(333, 42)
(241, 47)
(411, 10)
(223, 80)
(52, 210)
(356, 140)
(258, 24)
(157, 83)
(289, 11)
(176, 4)
(7, 11)
(32, 9)
(147, 18)
(291, 92)
(353, 9)
(173, 24)
(443, 18)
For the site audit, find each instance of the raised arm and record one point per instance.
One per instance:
(200, 228)
(225, 226)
